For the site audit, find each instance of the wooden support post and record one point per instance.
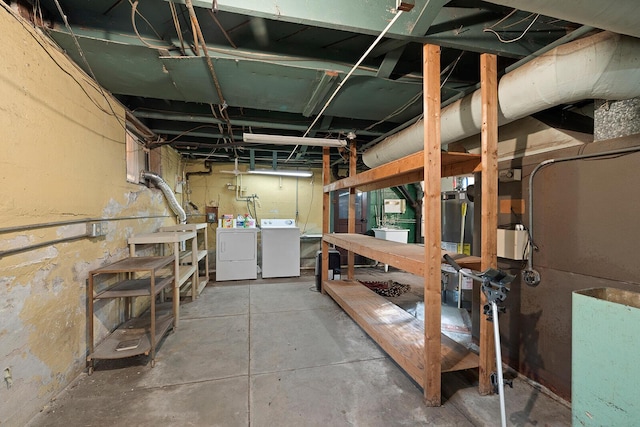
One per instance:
(326, 209)
(432, 201)
(489, 137)
(351, 224)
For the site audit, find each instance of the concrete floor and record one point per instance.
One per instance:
(277, 353)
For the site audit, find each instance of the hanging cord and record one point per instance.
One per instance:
(176, 23)
(362, 58)
(134, 12)
(226, 35)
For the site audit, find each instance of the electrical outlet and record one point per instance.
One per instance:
(97, 229)
(509, 175)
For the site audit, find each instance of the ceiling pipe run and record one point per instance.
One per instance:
(603, 66)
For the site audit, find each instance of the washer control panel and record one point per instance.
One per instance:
(277, 223)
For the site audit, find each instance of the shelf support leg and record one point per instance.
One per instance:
(489, 225)
(176, 284)
(432, 226)
(351, 224)
(195, 279)
(326, 209)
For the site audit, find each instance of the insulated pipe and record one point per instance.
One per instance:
(168, 194)
(603, 66)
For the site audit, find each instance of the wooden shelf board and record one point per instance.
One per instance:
(185, 291)
(161, 237)
(202, 282)
(135, 288)
(407, 257)
(134, 264)
(407, 170)
(185, 272)
(185, 257)
(398, 333)
(185, 227)
(136, 328)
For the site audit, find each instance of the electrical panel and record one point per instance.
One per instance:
(394, 206)
(513, 244)
(211, 213)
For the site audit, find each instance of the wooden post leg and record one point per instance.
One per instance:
(326, 209)
(432, 226)
(351, 222)
(195, 280)
(489, 138)
(176, 284)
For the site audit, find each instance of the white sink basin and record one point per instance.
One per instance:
(394, 234)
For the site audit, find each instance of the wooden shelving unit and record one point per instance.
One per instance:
(399, 334)
(202, 243)
(185, 274)
(131, 278)
(419, 348)
(407, 257)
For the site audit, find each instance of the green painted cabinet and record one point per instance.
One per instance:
(605, 384)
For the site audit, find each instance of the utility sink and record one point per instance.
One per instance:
(400, 235)
(394, 234)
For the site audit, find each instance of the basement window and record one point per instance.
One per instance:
(137, 158)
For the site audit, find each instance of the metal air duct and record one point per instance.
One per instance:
(168, 194)
(603, 66)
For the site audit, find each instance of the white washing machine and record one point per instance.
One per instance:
(280, 248)
(236, 253)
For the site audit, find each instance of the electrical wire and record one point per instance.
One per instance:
(451, 67)
(505, 18)
(397, 111)
(343, 81)
(304, 229)
(46, 44)
(176, 24)
(200, 38)
(490, 30)
(86, 63)
(401, 109)
(134, 12)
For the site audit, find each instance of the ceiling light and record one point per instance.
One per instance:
(301, 174)
(292, 140)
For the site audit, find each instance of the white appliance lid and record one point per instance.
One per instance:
(277, 223)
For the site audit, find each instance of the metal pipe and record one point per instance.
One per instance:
(531, 276)
(72, 221)
(168, 194)
(40, 245)
(496, 336)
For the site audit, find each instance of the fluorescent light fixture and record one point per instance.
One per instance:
(276, 172)
(292, 140)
